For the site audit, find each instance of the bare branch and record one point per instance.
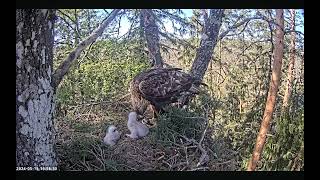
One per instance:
(160, 23)
(65, 21)
(255, 42)
(106, 12)
(131, 29)
(198, 22)
(78, 34)
(235, 26)
(204, 132)
(290, 31)
(171, 48)
(66, 16)
(261, 17)
(62, 42)
(65, 65)
(69, 25)
(177, 40)
(245, 26)
(204, 155)
(177, 18)
(119, 26)
(73, 21)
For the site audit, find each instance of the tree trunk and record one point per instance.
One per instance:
(273, 89)
(288, 91)
(210, 34)
(152, 37)
(34, 90)
(142, 37)
(207, 43)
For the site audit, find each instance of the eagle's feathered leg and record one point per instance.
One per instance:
(155, 114)
(155, 111)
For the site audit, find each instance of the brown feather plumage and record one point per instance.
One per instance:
(159, 87)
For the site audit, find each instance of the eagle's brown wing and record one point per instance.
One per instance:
(161, 85)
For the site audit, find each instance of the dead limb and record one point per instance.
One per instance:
(204, 155)
(66, 64)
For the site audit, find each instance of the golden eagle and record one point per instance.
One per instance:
(161, 86)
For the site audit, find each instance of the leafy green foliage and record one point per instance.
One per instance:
(285, 149)
(105, 76)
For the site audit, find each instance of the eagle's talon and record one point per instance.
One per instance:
(144, 121)
(149, 122)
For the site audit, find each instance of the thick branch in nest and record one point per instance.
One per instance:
(204, 155)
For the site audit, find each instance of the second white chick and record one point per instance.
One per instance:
(137, 129)
(112, 136)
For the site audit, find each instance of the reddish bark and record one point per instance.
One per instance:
(272, 94)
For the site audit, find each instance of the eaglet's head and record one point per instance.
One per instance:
(132, 116)
(111, 129)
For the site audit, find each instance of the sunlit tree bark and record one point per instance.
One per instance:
(272, 94)
(290, 79)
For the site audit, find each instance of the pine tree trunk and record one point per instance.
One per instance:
(152, 37)
(34, 91)
(288, 91)
(273, 89)
(207, 43)
(204, 53)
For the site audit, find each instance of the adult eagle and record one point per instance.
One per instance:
(161, 86)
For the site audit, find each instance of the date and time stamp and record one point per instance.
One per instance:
(36, 169)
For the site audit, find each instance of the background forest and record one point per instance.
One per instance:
(224, 120)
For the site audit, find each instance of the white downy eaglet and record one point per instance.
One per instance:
(137, 129)
(112, 136)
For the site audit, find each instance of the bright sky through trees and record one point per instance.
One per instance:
(168, 25)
